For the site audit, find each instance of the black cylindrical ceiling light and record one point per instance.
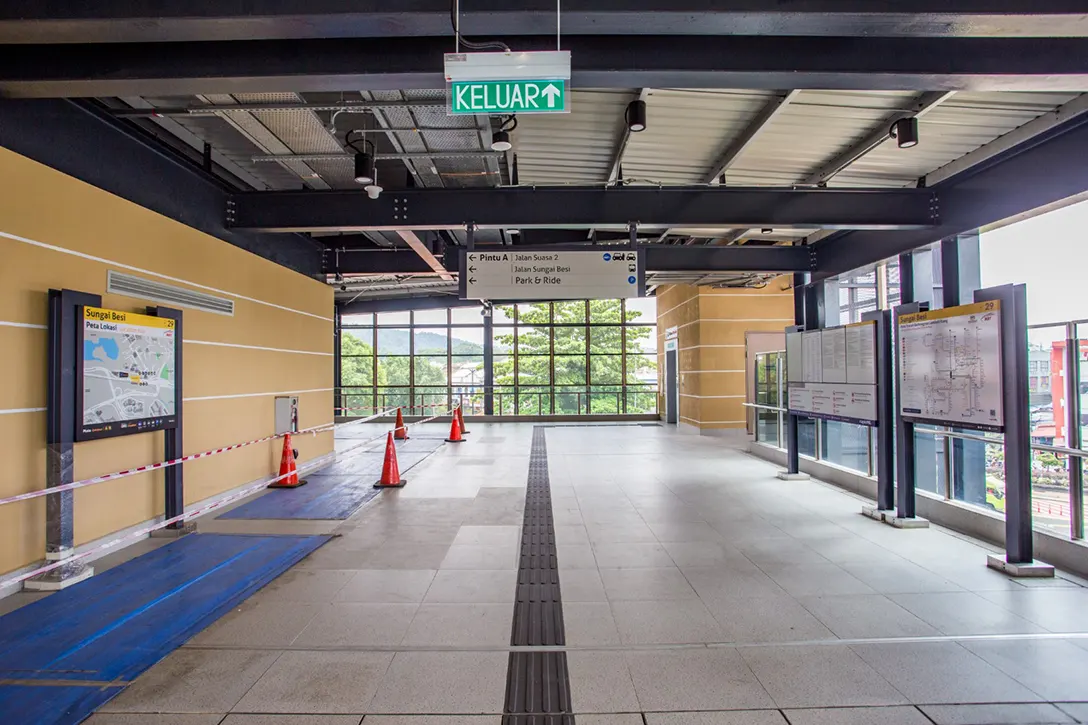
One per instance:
(500, 141)
(364, 168)
(905, 132)
(636, 116)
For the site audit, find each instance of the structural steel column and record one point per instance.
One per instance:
(489, 366)
(60, 439)
(961, 275)
(337, 362)
(174, 476)
(1072, 429)
(793, 456)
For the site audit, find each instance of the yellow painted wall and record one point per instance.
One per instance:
(57, 232)
(712, 326)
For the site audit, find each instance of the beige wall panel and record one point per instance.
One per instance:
(211, 370)
(22, 525)
(29, 272)
(722, 383)
(717, 409)
(728, 332)
(23, 362)
(146, 239)
(722, 358)
(88, 221)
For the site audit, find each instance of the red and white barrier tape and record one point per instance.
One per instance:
(144, 531)
(165, 464)
(394, 431)
(427, 405)
(187, 515)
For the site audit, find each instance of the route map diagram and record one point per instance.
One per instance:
(128, 379)
(950, 366)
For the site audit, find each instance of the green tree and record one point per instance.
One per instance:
(537, 332)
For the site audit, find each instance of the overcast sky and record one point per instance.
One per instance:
(1049, 254)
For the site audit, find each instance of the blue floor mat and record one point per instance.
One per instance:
(105, 631)
(336, 491)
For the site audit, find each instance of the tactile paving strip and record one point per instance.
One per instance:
(538, 683)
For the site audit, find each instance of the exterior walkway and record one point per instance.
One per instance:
(696, 589)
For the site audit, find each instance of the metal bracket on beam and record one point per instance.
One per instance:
(632, 230)
(470, 236)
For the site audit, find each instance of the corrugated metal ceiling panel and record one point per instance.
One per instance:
(815, 127)
(957, 127)
(575, 147)
(686, 131)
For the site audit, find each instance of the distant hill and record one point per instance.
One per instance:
(397, 342)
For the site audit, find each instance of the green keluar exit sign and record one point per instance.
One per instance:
(499, 97)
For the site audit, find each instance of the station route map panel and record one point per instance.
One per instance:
(950, 366)
(127, 374)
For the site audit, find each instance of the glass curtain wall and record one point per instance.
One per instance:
(573, 357)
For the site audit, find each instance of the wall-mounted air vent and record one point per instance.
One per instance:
(145, 289)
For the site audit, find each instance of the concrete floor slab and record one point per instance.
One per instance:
(582, 585)
(1056, 670)
(488, 536)
(460, 625)
(815, 676)
(387, 586)
(942, 672)
(348, 624)
(963, 613)
(309, 682)
(466, 586)
(481, 557)
(860, 616)
(575, 556)
(1008, 714)
(735, 717)
(665, 622)
(443, 682)
(266, 719)
(105, 718)
(194, 681)
(600, 682)
(306, 585)
(765, 619)
(259, 623)
(589, 624)
(696, 679)
(627, 556)
(660, 584)
(858, 716)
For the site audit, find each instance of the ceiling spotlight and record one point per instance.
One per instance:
(364, 168)
(500, 141)
(766, 230)
(636, 116)
(905, 132)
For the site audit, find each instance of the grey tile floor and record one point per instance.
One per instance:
(697, 590)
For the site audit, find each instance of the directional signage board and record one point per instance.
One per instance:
(508, 82)
(500, 97)
(547, 275)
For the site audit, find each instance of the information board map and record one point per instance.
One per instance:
(835, 377)
(127, 373)
(950, 366)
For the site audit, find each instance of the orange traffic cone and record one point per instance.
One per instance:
(288, 473)
(455, 431)
(400, 430)
(461, 421)
(390, 470)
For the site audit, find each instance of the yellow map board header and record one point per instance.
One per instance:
(977, 308)
(126, 318)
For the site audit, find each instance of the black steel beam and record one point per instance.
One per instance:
(588, 207)
(83, 142)
(399, 304)
(34, 21)
(651, 61)
(1038, 173)
(659, 258)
